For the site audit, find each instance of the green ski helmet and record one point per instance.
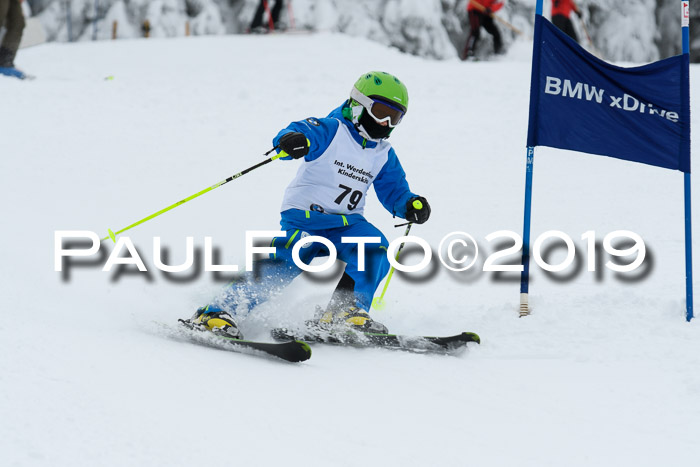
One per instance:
(378, 101)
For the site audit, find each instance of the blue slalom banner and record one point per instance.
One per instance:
(582, 103)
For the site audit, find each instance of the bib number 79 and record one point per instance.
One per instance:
(355, 197)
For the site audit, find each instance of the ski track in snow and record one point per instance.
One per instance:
(603, 373)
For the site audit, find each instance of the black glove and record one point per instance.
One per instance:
(295, 144)
(488, 12)
(417, 210)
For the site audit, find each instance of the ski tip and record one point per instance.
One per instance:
(304, 352)
(472, 337)
(304, 346)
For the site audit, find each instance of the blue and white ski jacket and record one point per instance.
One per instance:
(331, 185)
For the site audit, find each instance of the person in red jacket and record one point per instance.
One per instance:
(561, 16)
(480, 14)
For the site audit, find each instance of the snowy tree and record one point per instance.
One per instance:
(621, 30)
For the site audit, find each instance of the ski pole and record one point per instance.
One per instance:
(271, 23)
(290, 12)
(595, 51)
(113, 235)
(378, 303)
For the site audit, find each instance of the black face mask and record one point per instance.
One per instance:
(374, 129)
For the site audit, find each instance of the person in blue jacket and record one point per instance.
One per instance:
(343, 155)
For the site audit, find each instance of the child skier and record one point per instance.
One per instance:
(343, 154)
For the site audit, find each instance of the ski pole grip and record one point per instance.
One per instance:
(417, 204)
(283, 153)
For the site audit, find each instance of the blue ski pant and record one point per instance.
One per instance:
(273, 274)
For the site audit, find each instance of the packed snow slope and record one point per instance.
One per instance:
(603, 373)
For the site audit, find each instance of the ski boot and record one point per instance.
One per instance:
(217, 321)
(353, 318)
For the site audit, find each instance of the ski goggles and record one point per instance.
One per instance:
(379, 109)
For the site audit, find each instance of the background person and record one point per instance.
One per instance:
(561, 16)
(257, 24)
(12, 18)
(480, 14)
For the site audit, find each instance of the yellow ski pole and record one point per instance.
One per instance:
(113, 235)
(378, 302)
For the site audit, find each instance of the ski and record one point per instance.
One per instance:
(15, 73)
(292, 350)
(347, 337)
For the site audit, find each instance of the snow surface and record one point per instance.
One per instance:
(604, 373)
